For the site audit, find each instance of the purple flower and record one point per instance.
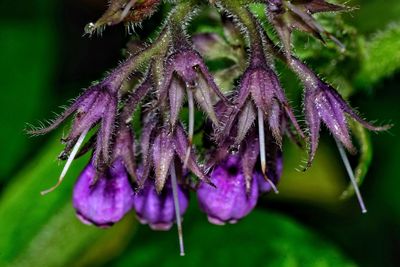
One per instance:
(322, 103)
(97, 105)
(159, 146)
(249, 152)
(103, 201)
(186, 73)
(260, 97)
(229, 200)
(157, 208)
(124, 145)
(123, 141)
(259, 94)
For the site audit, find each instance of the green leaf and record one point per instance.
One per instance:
(365, 159)
(381, 56)
(381, 14)
(27, 49)
(40, 230)
(261, 239)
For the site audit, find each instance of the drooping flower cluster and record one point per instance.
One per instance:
(244, 157)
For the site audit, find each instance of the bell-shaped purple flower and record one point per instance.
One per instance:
(260, 101)
(103, 201)
(229, 200)
(157, 209)
(271, 159)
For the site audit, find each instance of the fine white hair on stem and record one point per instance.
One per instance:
(177, 208)
(261, 138)
(68, 163)
(351, 175)
(127, 9)
(191, 126)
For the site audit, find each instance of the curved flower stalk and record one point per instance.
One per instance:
(260, 98)
(98, 105)
(245, 152)
(322, 103)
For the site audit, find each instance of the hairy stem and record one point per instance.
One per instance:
(158, 48)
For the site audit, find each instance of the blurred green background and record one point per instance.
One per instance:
(44, 61)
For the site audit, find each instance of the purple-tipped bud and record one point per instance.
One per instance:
(259, 89)
(157, 209)
(322, 103)
(105, 201)
(97, 105)
(229, 200)
(159, 147)
(286, 16)
(185, 70)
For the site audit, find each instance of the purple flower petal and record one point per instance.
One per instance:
(105, 202)
(228, 201)
(181, 146)
(275, 122)
(145, 146)
(124, 148)
(204, 99)
(176, 96)
(163, 153)
(245, 122)
(249, 153)
(157, 208)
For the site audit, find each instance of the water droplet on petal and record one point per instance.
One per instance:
(89, 28)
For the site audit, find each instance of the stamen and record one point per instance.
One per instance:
(273, 186)
(351, 176)
(191, 126)
(261, 138)
(68, 163)
(126, 9)
(341, 46)
(177, 209)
